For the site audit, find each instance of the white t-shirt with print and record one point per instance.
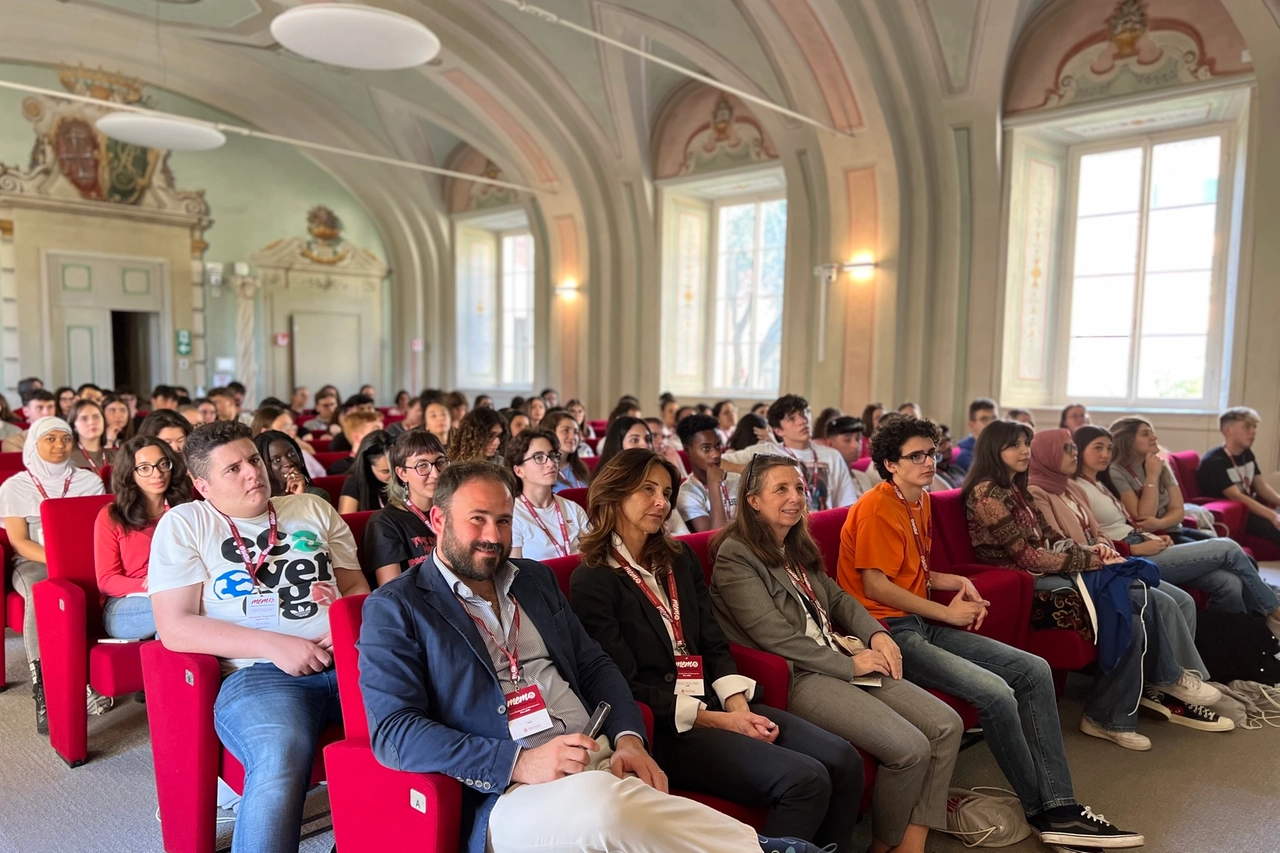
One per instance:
(193, 544)
(694, 501)
(530, 538)
(830, 485)
(20, 498)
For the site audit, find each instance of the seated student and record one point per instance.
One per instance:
(545, 525)
(641, 596)
(551, 397)
(624, 433)
(770, 592)
(90, 391)
(845, 435)
(826, 473)
(412, 418)
(668, 417)
(120, 426)
(163, 397)
(1008, 530)
(191, 411)
(437, 420)
(820, 423)
(484, 401)
(627, 407)
(168, 426)
(871, 415)
(280, 689)
(298, 401)
(148, 479)
(1022, 416)
(286, 473)
(401, 403)
(1145, 483)
(1231, 471)
(517, 421)
(355, 403)
(87, 428)
(481, 436)
(224, 400)
(945, 474)
(1218, 566)
(708, 498)
(49, 474)
(668, 447)
(470, 629)
(1074, 416)
(208, 411)
(38, 404)
(325, 420)
(536, 409)
(884, 562)
(579, 413)
(458, 405)
(355, 426)
(369, 391)
(65, 397)
(726, 415)
(365, 487)
(751, 429)
(280, 418)
(911, 409)
(8, 426)
(398, 537)
(573, 473)
(982, 411)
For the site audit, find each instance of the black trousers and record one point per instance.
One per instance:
(1256, 525)
(810, 780)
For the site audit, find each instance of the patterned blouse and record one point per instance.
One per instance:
(1007, 529)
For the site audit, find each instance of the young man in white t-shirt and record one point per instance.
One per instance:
(826, 474)
(250, 580)
(708, 498)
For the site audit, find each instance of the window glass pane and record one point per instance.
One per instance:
(1110, 182)
(1098, 367)
(1107, 245)
(517, 309)
(476, 297)
(1102, 306)
(750, 277)
(1176, 303)
(1185, 172)
(775, 224)
(1172, 367)
(1181, 238)
(690, 304)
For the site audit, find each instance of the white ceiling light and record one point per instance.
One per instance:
(355, 36)
(157, 131)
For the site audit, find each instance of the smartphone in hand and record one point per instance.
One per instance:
(596, 724)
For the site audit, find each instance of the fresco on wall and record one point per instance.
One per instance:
(702, 129)
(1078, 51)
(462, 196)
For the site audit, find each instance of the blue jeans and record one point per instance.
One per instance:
(1013, 692)
(270, 721)
(1220, 568)
(128, 617)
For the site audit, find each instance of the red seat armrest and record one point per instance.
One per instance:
(770, 672)
(64, 664)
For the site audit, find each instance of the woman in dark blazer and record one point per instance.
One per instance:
(641, 595)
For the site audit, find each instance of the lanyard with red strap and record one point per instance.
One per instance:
(66, 486)
(724, 493)
(252, 566)
(915, 534)
(89, 459)
(413, 561)
(672, 615)
(1246, 483)
(513, 656)
(801, 581)
(563, 550)
(812, 483)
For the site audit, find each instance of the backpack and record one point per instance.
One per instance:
(981, 820)
(1237, 646)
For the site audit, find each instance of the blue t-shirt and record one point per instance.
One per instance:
(965, 460)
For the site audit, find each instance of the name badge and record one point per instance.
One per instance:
(262, 610)
(689, 675)
(527, 712)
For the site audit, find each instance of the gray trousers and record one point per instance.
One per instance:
(913, 735)
(26, 574)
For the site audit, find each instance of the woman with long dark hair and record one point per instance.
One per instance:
(88, 427)
(573, 473)
(65, 398)
(285, 468)
(543, 525)
(147, 479)
(366, 485)
(751, 429)
(641, 596)
(624, 433)
(121, 425)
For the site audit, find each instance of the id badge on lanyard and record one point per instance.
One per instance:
(527, 712)
(689, 680)
(262, 610)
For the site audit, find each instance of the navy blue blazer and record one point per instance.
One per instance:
(431, 694)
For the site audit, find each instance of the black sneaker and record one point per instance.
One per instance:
(1185, 714)
(1078, 826)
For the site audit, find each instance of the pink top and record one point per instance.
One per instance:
(120, 557)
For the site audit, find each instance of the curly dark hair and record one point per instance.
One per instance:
(886, 444)
(471, 435)
(128, 507)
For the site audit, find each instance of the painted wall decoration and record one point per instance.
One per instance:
(462, 196)
(702, 129)
(323, 250)
(1077, 51)
(71, 160)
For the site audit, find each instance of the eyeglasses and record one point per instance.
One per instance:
(1070, 449)
(542, 458)
(146, 469)
(424, 467)
(922, 456)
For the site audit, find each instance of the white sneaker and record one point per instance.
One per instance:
(1129, 740)
(1191, 690)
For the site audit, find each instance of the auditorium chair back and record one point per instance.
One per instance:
(333, 485)
(825, 525)
(12, 461)
(344, 627)
(578, 496)
(328, 457)
(68, 547)
(358, 521)
(950, 529)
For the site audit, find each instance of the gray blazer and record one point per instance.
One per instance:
(758, 606)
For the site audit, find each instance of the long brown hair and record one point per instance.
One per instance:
(550, 421)
(471, 436)
(1123, 432)
(988, 463)
(129, 507)
(615, 480)
(798, 548)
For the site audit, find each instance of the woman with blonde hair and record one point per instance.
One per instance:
(1145, 483)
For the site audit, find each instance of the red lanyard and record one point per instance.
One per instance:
(812, 484)
(251, 566)
(724, 493)
(66, 487)
(564, 550)
(95, 468)
(419, 513)
(672, 615)
(513, 656)
(801, 580)
(1081, 515)
(915, 534)
(1246, 483)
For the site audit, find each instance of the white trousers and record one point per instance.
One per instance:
(596, 812)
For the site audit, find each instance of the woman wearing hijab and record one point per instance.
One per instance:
(49, 474)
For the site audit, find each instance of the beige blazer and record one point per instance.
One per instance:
(759, 606)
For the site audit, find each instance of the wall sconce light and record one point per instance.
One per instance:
(567, 288)
(861, 268)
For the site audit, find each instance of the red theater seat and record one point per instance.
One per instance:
(592, 462)
(329, 457)
(12, 608)
(333, 485)
(12, 461)
(357, 521)
(578, 496)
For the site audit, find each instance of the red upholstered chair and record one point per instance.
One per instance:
(599, 427)
(188, 757)
(593, 443)
(69, 616)
(562, 568)
(377, 809)
(684, 457)
(12, 607)
(320, 442)
(357, 521)
(12, 461)
(333, 485)
(578, 496)
(592, 462)
(328, 457)
(862, 464)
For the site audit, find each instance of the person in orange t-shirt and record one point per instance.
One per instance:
(884, 563)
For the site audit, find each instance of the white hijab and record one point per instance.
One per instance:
(50, 475)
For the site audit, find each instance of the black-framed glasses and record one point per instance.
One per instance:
(146, 469)
(541, 458)
(424, 467)
(1070, 448)
(922, 456)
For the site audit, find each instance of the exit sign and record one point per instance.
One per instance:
(184, 342)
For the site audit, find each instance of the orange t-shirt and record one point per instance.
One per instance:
(877, 535)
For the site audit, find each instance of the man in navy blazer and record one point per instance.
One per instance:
(448, 652)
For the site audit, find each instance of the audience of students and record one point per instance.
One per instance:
(544, 525)
(365, 487)
(399, 537)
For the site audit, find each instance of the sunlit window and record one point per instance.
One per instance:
(495, 279)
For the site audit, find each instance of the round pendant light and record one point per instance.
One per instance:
(153, 131)
(355, 36)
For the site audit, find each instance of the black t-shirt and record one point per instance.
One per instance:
(342, 466)
(396, 536)
(339, 442)
(351, 489)
(1217, 473)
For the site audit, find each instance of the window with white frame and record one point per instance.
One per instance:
(1146, 271)
(495, 307)
(724, 263)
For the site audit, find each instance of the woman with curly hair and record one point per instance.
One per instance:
(481, 436)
